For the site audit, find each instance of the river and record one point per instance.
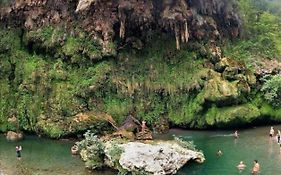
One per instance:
(50, 157)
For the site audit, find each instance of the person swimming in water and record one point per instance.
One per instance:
(256, 168)
(236, 135)
(278, 135)
(241, 166)
(18, 151)
(219, 153)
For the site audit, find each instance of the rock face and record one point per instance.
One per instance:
(14, 136)
(182, 18)
(161, 158)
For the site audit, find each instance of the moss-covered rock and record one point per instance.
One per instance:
(218, 89)
(232, 116)
(97, 122)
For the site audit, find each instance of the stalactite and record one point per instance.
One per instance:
(122, 28)
(177, 38)
(186, 32)
(182, 35)
(122, 18)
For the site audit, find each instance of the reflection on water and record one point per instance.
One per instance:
(50, 157)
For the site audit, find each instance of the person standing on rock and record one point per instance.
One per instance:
(18, 151)
(143, 126)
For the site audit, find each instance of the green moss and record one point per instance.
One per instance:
(50, 129)
(271, 112)
(158, 67)
(218, 89)
(187, 111)
(118, 108)
(232, 116)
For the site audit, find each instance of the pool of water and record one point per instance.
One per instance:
(252, 144)
(50, 157)
(41, 157)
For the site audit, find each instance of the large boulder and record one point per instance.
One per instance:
(14, 136)
(157, 159)
(150, 158)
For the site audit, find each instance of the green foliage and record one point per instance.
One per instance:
(80, 48)
(118, 108)
(185, 144)
(158, 79)
(92, 151)
(261, 35)
(113, 155)
(45, 38)
(187, 110)
(50, 129)
(272, 89)
(274, 113)
(9, 40)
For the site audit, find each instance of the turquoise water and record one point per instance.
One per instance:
(252, 144)
(50, 157)
(41, 157)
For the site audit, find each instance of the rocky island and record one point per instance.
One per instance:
(152, 157)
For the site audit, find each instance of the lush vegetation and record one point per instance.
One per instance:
(272, 89)
(51, 76)
(261, 36)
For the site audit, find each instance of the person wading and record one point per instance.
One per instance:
(18, 151)
(256, 168)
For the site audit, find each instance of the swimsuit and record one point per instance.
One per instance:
(18, 153)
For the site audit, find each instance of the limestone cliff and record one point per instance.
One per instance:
(69, 66)
(105, 19)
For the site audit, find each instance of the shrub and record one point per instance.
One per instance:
(272, 89)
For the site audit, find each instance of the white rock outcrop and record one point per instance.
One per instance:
(159, 158)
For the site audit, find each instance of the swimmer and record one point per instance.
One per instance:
(256, 168)
(241, 166)
(18, 151)
(271, 132)
(278, 136)
(219, 153)
(236, 135)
